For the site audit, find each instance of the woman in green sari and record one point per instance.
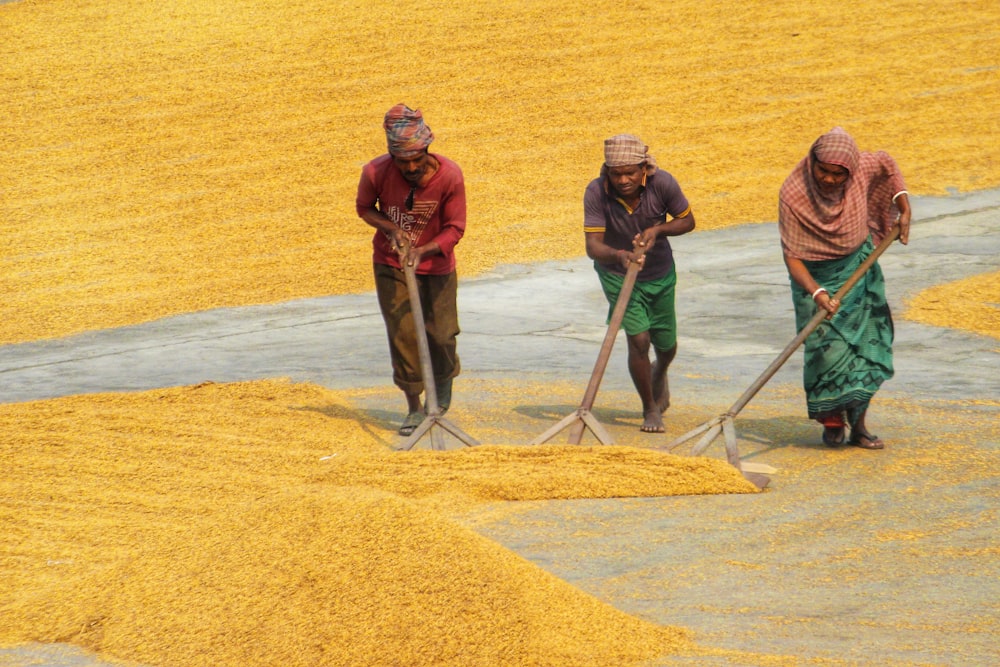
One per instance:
(836, 204)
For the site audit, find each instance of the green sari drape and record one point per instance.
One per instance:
(848, 357)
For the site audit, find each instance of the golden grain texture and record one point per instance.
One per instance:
(162, 158)
(267, 522)
(972, 304)
(896, 521)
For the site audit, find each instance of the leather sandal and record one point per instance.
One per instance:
(411, 423)
(834, 431)
(833, 436)
(866, 441)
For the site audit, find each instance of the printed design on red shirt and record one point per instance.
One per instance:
(414, 221)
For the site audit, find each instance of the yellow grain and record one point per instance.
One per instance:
(972, 304)
(162, 158)
(330, 576)
(490, 473)
(267, 522)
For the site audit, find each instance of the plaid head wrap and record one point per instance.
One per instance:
(837, 147)
(816, 225)
(623, 150)
(405, 131)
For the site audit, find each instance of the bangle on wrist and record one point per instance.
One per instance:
(818, 291)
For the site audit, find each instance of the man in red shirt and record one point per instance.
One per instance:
(411, 194)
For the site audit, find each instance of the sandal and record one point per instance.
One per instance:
(833, 436)
(410, 424)
(443, 396)
(866, 441)
(834, 431)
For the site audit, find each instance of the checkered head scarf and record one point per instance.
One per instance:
(405, 132)
(817, 225)
(837, 147)
(624, 150)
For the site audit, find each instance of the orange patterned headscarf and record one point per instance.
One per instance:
(405, 131)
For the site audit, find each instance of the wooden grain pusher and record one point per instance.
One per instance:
(723, 424)
(434, 422)
(582, 418)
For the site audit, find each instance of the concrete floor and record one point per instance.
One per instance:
(850, 557)
(733, 305)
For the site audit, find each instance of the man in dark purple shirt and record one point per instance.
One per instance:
(632, 206)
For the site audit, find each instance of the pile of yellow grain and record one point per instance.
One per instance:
(270, 523)
(162, 158)
(972, 304)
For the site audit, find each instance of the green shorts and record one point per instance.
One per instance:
(651, 307)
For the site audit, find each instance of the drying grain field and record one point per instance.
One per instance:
(166, 158)
(162, 158)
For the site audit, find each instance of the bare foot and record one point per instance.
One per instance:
(653, 422)
(661, 394)
(663, 401)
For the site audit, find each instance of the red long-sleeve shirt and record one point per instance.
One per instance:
(437, 213)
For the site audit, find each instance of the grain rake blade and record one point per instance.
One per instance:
(582, 418)
(435, 422)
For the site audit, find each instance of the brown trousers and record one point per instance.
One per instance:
(438, 298)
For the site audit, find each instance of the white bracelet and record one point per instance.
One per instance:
(896, 196)
(818, 290)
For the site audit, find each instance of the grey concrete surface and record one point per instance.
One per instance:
(734, 313)
(797, 571)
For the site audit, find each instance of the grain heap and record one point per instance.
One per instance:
(267, 523)
(972, 304)
(162, 158)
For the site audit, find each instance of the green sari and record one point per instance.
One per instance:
(848, 357)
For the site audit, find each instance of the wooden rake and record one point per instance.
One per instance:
(723, 424)
(434, 422)
(582, 418)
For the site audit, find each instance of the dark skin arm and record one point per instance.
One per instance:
(903, 204)
(800, 274)
(600, 251)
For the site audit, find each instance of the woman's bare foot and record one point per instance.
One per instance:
(653, 422)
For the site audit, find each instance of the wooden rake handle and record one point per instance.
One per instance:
(617, 315)
(813, 323)
(416, 308)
